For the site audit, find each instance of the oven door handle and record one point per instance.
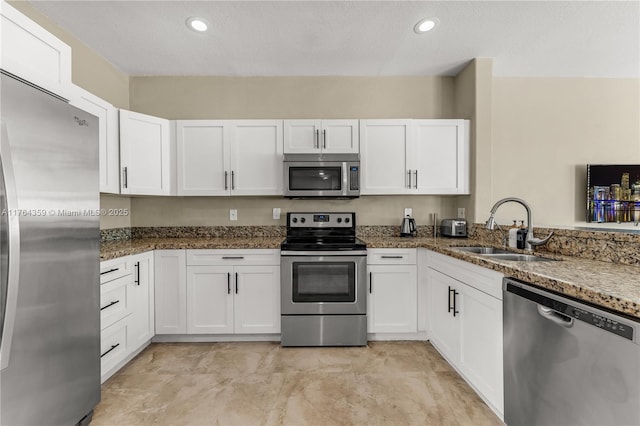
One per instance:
(324, 253)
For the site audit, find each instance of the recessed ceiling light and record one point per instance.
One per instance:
(426, 24)
(197, 24)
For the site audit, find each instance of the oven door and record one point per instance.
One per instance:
(315, 179)
(327, 283)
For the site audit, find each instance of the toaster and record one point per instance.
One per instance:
(453, 228)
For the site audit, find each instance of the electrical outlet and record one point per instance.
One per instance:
(233, 214)
(276, 213)
(461, 212)
(408, 212)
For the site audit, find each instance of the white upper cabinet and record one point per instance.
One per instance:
(108, 136)
(145, 148)
(229, 157)
(203, 153)
(414, 156)
(384, 151)
(256, 157)
(32, 53)
(321, 136)
(440, 162)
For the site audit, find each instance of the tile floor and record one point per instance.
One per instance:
(386, 383)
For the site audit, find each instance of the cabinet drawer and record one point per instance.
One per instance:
(114, 268)
(391, 256)
(115, 301)
(233, 257)
(483, 279)
(113, 345)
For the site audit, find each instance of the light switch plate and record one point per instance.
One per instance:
(233, 214)
(408, 212)
(276, 213)
(461, 212)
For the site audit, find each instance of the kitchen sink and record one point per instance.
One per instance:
(483, 250)
(517, 257)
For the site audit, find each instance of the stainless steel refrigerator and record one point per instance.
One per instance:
(49, 259)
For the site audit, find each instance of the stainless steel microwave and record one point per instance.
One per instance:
(322, 175)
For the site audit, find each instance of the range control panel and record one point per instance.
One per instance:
(321, 220)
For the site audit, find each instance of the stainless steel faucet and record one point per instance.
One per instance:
(530, 240)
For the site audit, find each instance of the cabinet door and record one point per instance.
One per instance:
(384, 149)
(340, 136)
(34, 54)
(203, 152)
(210, 299)
(170, 291)
(256, 157)
(144, 154)
(481, 343)
(392, 305)
(444, 332)
(257, 299)
(302, 136)
(142, 325)
(441, 157)
(108, 137)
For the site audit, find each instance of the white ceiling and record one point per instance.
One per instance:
(363, 38)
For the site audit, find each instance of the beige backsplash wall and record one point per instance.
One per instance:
(545, 131)
(116, 211)
(210, 211)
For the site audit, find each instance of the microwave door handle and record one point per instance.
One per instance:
(345, 179)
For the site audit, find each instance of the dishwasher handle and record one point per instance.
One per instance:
(555, 316)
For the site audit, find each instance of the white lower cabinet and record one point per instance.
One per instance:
(226, 294)
(126, 310)
(217, 292)
(392, 291)
(142, 300)
(170, 291)
(465, 323)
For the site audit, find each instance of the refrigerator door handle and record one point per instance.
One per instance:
(11, 216)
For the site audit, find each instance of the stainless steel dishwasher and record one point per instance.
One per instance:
(567, 363)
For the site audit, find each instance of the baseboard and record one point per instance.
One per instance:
(381, 337)
(197, 338)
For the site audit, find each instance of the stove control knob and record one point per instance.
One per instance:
(339, 220)
(294, 220)
(347, 220)
(303, 220)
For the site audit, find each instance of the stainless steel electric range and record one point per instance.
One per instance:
(323, 270)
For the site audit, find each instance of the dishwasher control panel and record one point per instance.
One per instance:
(569, 310)
(602, 322)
